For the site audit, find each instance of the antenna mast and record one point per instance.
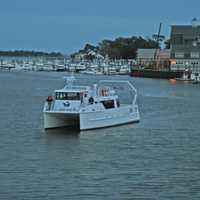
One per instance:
(158, 38)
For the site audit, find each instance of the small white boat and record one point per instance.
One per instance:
(189, 76)
(87, 71)
(196, 78)
(89, 107)
(91, 72)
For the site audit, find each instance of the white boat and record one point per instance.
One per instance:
(124, 70)
(89, 107)
(187, 76)
(87, 71)
(196, 78)
(91, 71)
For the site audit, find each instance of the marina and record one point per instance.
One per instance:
(59, 64)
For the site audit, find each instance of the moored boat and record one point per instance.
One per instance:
(89, 107)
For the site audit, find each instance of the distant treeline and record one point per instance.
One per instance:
(125, 48)
(20, 53)
(121, 48)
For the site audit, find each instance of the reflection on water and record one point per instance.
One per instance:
(63, 133)
(172, 81)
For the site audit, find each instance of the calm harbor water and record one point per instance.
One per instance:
(158, 158)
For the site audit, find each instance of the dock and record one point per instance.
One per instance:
(6, 68)
(162, 74)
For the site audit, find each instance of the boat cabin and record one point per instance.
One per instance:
(71, 99)
(68, 99)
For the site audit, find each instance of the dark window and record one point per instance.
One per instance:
(72, 96)
(172, 55)
(187, 55)
(177, 39)
(188, 41)
(67, 96)
(91, 100)
(108, 104)
(60, 96)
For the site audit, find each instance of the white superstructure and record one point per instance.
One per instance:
(89, 107)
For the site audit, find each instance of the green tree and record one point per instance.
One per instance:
(125, 48)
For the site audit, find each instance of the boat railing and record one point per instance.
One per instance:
(134, 90)
(76, 87)
(49, 106)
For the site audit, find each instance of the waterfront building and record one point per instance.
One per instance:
(153, 58)
(145, 57)
(163, 59)
(185, 47)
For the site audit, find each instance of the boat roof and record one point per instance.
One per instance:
(73, 89)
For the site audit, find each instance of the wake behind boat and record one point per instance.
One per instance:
(89, 107)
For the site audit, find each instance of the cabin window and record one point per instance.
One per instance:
(68, 96)
(108, 104)
(73, 96)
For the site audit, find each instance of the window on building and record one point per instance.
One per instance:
(188, 41)
(194, 54)
(177, 39)
(172, 55)
(179, 54)
(187, 55)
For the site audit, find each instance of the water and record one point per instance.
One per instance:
(158, 158)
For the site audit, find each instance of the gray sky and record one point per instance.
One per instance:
(66, 25)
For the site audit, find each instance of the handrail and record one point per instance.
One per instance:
(123, 81)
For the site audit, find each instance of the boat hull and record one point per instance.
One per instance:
(56, 120)
(93, 120)
(156, 74)
(110, 117)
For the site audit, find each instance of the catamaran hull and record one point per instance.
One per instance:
(110, 117)
(56, 120)
(92, 120)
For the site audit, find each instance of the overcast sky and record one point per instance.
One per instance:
(66, 25)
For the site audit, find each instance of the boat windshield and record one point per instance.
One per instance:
(68, 96)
